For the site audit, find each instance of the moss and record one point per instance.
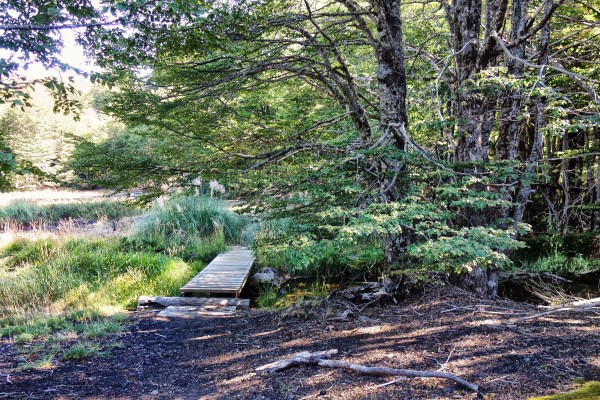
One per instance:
(589, 391)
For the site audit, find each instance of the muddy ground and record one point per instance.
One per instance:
(215, 358)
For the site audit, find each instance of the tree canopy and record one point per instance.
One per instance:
(442, 130)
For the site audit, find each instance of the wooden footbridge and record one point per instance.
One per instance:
(225, 275)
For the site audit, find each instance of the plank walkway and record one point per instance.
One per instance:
(226, 274)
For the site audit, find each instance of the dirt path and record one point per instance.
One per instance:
(214, 358)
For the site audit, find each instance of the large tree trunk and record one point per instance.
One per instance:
(483, 282)
(476, 115)
(391, 76)
(540, 122)
(474, 110)
(511, 123)
(475, 107)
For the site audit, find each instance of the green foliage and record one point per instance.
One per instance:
(42, 45)
(285, 245)
(448, 225)
(41, 142)
(26, 214)
(561, 264)
(121, 161)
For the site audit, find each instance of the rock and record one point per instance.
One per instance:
(268, 276)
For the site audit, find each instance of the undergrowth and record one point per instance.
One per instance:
(561, 264)
(282, 244)
(275, 298)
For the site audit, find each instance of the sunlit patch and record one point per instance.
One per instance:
(486, 322)
(209, 337)
(238, 379)
(565, 321)
(267, 333)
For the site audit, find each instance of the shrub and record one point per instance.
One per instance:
(303, 254)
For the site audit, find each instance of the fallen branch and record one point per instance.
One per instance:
(581, 305)
(320, 358)
(523, 275)
(587, 303)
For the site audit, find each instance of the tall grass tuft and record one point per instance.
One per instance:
(188, 218)
(25, 214)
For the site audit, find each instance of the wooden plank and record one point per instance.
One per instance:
(212, 291)
(227, 273)
(192, 301)
(194, 312)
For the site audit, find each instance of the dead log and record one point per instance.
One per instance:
(587, 303)
(154, 301)
(580, 305)
(320, 359)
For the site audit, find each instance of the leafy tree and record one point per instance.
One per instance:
(310, 102)
(42, 141)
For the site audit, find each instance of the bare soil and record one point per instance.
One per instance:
(215, 358)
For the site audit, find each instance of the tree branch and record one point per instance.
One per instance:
(320, 359)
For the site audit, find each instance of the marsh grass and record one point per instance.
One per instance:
(60, 276)
(23, 214)
(60, 297)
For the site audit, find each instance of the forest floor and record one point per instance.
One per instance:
(215, 358)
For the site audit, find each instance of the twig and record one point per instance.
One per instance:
(402, 378)
(158, 334)
(320, 359)
(444, 365)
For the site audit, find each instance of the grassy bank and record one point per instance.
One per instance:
(66, 293)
